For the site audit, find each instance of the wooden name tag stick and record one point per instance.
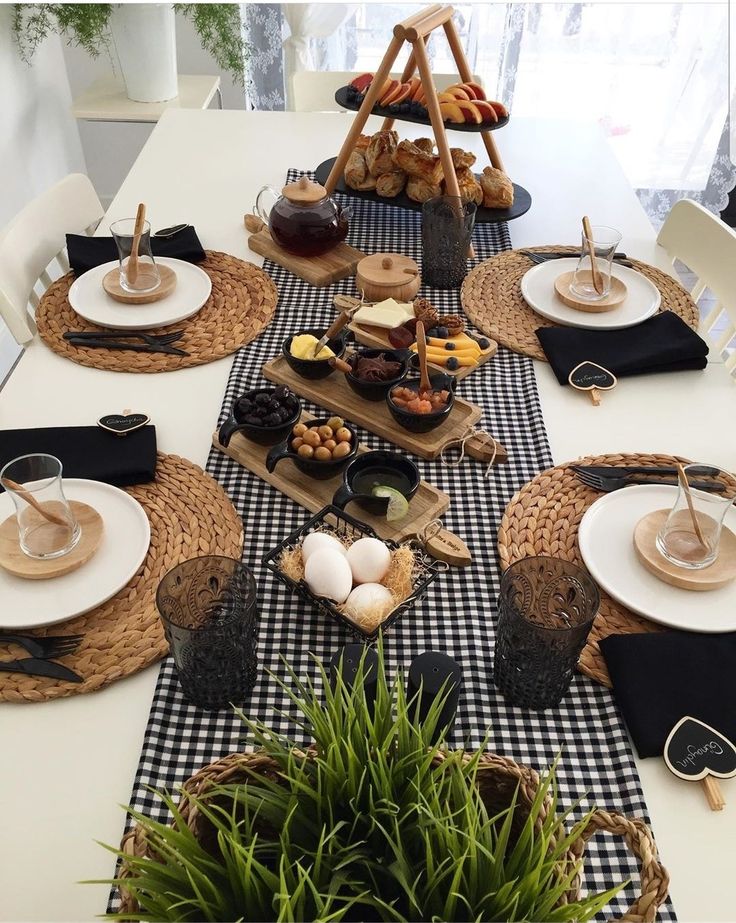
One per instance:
(597, 281)
(592, 378)
(131, 269)
(696, 752)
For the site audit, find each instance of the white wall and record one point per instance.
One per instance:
(111, 148)
(39, 141)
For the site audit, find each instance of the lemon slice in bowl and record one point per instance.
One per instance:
(398, 505)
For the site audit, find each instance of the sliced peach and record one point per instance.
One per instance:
(446, 97)
(403, 94)
(451, 112)
(488, 113)
(470, 111)
(418, 92)
(387, 94)
(414, 84)
(458, 92)
(476, 88)
(499, 108)
(362, 82)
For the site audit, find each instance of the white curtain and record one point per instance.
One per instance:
(307, 23)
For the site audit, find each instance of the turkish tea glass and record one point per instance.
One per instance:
(142, 275)
(679, 540)
(47, 527)
(209, 611)
(546, 610)
(604, 243)
(447, 228)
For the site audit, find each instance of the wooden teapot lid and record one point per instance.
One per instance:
(304, 191)
(387, 269)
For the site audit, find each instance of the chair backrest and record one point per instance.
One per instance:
(707, 247)
(314, 91)
(34, 239)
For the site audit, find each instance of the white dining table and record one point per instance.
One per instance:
(67, 765)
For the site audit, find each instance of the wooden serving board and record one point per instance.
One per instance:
(334, 394)
(377, 338)
(427, 504)
(336, 264)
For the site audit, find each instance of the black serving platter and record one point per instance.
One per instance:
(522, 199)
(341, 98)
(342, 525)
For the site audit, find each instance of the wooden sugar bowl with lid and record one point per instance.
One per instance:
(387, 275)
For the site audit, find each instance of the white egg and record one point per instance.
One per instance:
(369, 560)
(366, 598)
(317, 540)
(327, 573)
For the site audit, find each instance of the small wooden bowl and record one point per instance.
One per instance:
(615, 297)
(387, 275)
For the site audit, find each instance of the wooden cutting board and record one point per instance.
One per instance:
(334, 394)
(336, 264)
(427, 504)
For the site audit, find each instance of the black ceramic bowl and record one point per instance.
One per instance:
(320, 470)
(424, 422)
(260, 433)
(313, 368)
(377, 390)
(393, 461)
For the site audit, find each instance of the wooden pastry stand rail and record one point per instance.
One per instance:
(415, 31)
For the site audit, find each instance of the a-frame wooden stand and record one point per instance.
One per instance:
(415, 30)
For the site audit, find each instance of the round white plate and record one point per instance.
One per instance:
(91, 301)
(538, 288)
(606, 542)
(125, 541)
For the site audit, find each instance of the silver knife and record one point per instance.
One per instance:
(611, 471)
(34, 666)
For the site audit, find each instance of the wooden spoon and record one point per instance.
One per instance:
(340, 364)
(31, 501)
(682, 478)
(132, 267)
(332, 331)
(424, 383)
(588, 231)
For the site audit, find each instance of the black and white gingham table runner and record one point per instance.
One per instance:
(457, 616)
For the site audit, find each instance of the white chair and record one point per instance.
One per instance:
(707, 247)
(314, 91)
(34, 240)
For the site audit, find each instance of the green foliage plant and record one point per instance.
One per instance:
(372, 823)
(87, 25)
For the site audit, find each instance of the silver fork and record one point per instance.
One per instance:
(609, 484)
(47, 648)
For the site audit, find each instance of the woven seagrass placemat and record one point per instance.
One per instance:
(241, 305)
(491, 298)
(190, 515)
(543, 519)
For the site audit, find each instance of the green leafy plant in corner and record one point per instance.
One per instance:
(88, 26)
(369, 825)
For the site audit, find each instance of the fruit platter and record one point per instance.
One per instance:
(464, 106)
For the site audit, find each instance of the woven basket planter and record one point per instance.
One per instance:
(498, 778)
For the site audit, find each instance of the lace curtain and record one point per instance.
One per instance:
(653, 75)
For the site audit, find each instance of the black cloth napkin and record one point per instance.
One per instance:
(87, 252)
(88, 452)
(663, 343)
(660, 677)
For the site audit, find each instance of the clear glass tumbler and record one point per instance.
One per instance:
(679, 541)
(47, 527)
(142, 275)
(605, 241)
(447, 228)
(209, 612)
(546, 610)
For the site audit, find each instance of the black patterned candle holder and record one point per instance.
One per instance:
(546, 610)
(209, 612)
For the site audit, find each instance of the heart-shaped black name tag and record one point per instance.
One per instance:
(695, 750)
(588, 375)
(123, 423)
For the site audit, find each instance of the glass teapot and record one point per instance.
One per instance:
(304, 219)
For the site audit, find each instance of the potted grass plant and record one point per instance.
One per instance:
(142, 35)
(372, 822)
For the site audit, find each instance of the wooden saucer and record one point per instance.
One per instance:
(13, 560)
(111, 284)
(720, 573)
(614, 298)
